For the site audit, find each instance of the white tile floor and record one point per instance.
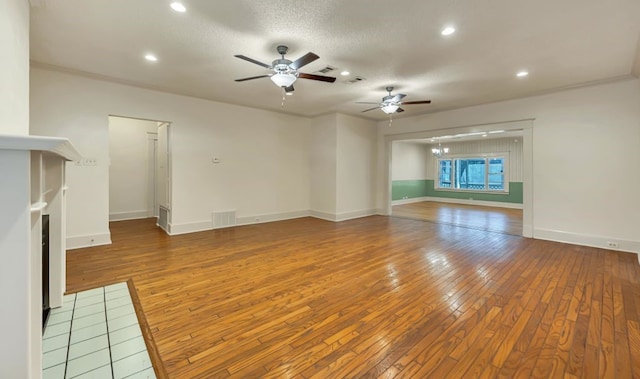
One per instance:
(95, 334)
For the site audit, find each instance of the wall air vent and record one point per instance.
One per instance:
(163, 218)
(326, 70)
(223, 219)
(355, 79)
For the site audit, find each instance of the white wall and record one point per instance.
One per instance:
(409, 161)
(343, 171)
(586, 161)
(323, 165)
(263, 169)
(14, 67)
(356, 169)
(129, 168)
(19, 348)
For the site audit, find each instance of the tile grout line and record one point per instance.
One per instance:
(73, 311)
(106, 311)
(106, 320)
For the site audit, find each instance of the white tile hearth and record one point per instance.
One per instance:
(95, 334)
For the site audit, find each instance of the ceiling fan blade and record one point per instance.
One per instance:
(253, 77)
(398, 97)
(365, 102)
(317, 77)
(289, 89)
(370, 109)
(253, 61)
(399, 110)
(304, 60)
(417, 102)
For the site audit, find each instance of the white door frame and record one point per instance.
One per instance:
(525, 125)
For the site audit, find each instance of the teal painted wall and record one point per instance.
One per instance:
(423, 188)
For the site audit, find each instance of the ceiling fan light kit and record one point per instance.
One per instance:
(283, 79)
(391, 103)
(284, 71)
(390, 108)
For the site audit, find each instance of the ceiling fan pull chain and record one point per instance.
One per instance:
(390, 120)
(284, 97)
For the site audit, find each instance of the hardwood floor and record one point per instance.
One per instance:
(377, 297)
(502, 220)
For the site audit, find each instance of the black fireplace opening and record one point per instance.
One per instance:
(45, 270)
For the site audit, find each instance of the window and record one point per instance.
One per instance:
(473, 174)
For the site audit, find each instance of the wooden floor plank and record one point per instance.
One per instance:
(496, 219)
(373, 297)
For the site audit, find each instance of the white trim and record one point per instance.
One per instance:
(120, 216)
(483, 203)
(189, 227)
(259, 219)
(89, 240)
(55, 145)
(355, 214)
(337, 217)
(411, 200)
(199, 226)
(381, 212)
(323, 215)
(587, 240)
(527, 182)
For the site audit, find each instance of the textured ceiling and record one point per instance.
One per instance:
(562, 43)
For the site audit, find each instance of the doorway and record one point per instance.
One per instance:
(139, 169)
(472, 179)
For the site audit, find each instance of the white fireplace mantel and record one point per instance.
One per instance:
(32, 183)
(55, 145)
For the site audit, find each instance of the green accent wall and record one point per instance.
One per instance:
(425, 188)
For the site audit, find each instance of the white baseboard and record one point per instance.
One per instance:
(382, 212)
(258, 219)
(323, 215)
(189, 227)
(587, 240)
(120, 216)
(411, 200)
(337, 217)
(192, 227)
(355, 214)
(497, 204)
(78, 242)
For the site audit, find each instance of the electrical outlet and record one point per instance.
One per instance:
(613, 244)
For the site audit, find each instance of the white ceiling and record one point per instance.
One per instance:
(562, 43)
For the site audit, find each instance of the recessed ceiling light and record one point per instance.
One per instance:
(345, 73)
(178, 7)
(449, 30)
(484, 135)
(522, 74)
(151, 58)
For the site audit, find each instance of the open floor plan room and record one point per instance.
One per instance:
(373, 297)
